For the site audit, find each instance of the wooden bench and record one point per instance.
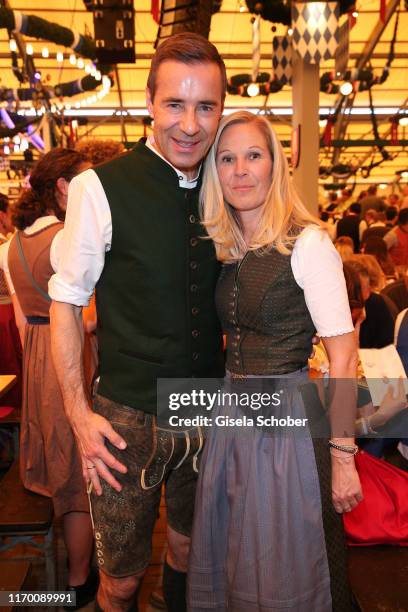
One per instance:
(13, 576)
(24, 515)
(379, 577)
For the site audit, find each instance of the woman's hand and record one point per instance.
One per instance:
(390, 406)
(346, 486)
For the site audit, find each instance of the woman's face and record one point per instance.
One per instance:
(244, 165)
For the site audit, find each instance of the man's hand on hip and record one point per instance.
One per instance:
(91, 430)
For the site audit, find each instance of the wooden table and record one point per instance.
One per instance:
(7, 381)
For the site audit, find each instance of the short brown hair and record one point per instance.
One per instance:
(187, 48)
(40, 199)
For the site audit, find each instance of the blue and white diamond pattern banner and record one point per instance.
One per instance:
(315, 30)
(282, 58)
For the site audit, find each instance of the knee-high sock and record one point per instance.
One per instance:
(174, 589)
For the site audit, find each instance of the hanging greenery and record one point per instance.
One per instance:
(279, 11)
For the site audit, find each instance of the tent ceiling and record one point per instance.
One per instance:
(231, 32)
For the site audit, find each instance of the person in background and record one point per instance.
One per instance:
(329, 225)
(349, 225)
(49, 460)
(368, 219)
(404, 197)
(376, 228)
(99, 151)
(397, 240)
(375, 245)
(10, 344)
(377, 330)
(371, 201)
(391, 216)
(394, 201)
(345, 247)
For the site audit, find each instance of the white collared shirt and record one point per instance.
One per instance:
(88, 236)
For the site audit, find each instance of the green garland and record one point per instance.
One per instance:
(279, 11)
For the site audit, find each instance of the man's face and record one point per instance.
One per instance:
(186, 109)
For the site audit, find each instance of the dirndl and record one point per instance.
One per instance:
(266, 537)
(49, 459)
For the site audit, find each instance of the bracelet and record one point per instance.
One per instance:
(344, 457)
(351, 450)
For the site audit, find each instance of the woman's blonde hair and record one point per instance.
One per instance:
(283, 216)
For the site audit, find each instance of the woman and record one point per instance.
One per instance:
(377, 329)
(49, 460)
(266, 535)
(376, 246)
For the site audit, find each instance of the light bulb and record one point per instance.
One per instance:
(60, 57)
(72, 59)
(346, 88)
(29, 49)
(45, 53)
(12, 44)
(253, 90)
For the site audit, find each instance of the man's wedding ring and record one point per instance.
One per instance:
(90, 467)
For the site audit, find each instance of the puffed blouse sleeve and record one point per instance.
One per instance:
(318, 270)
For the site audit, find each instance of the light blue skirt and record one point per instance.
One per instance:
(258, 543)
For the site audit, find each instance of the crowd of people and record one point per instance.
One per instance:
(195, 233)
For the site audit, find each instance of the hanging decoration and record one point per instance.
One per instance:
(239, 84)
(155, 10)
(394, 131)
(282, 58)
(256, 47)
(36, 27)
(328, 130)
(342, 51)
(383, 9)
(315, 30)
(279, 11)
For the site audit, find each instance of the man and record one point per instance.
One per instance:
(349, 225)
(132, 229)
(372, 200)
(397, 240)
